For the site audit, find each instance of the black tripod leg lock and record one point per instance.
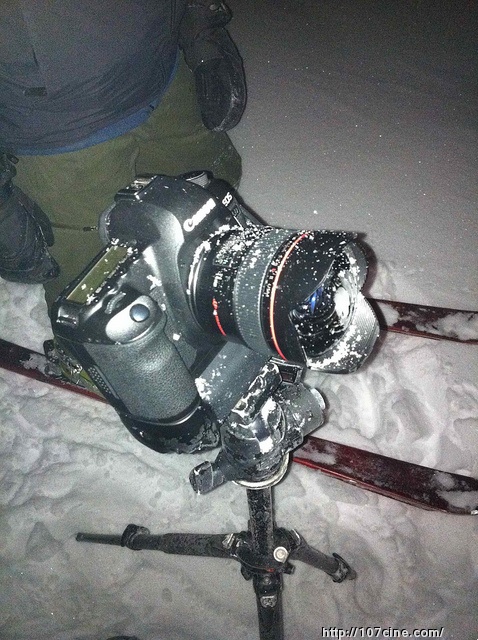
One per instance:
(131, 532)
(344, 570)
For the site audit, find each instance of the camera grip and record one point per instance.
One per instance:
(148, 375)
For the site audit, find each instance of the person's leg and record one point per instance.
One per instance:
(174, 140)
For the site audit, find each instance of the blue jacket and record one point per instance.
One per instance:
(69, 68)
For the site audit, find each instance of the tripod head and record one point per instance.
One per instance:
(268, 421)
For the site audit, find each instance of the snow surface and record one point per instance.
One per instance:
(362, 116)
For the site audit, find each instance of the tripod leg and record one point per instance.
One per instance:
(191, 544)
(333, 565)
(269, 606)
(267, 585)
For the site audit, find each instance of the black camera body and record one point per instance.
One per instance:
(191, 297)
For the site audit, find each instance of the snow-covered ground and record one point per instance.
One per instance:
(362, 116)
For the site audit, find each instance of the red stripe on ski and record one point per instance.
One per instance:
(405, 481)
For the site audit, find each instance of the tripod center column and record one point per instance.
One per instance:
(261, 521)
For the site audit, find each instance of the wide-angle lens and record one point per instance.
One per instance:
(290, 294)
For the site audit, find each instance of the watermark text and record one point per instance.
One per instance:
(380, 632)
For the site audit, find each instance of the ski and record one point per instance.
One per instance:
(36, 365)
(414, 484)
(411, 483)
(438, 323)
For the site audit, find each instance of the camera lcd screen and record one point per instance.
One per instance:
(98, 273)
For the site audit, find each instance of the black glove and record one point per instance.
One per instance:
(213, 57)
(25, 233)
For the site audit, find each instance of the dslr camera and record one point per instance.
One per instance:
(193, 295)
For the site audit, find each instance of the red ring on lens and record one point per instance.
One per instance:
(274, 287)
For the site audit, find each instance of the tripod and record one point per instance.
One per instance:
(263, 427)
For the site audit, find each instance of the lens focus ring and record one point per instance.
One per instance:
(249, 295)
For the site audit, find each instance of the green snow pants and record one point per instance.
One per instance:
(74, 188)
